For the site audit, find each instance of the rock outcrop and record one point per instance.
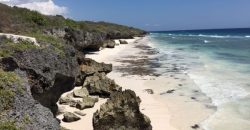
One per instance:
(121, 112)
(89, 67)
(84, 41)
(50, 74)
(123, 42)
(99, 84)
(87, 102)
(18, 109)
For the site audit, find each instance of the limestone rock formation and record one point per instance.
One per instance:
(121, 112)
(99, 84)
(87, 102)
(80, 93)
(70, 117)
(50, 74)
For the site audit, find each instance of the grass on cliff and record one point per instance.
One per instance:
(8, 47)
(7, 94)
(8, 126)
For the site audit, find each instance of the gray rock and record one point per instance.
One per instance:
(80, 113)
(83, 92)
(121, 112)
(123, 42)
(87, 102)
(50, 74)
(70, 117)
(24, 111)
(109, 44)
(89, 67)
(99, 84)
(149, 91)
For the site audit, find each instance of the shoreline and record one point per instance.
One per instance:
(165, 99)
(170, 111)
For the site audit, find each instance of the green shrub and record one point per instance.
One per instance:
(8, 126)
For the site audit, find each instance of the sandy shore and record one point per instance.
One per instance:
(180, 110)
(173, 106)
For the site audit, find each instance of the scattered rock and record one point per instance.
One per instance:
(168, 92)
(123, 42)
(121, 112)
(195, 126)
(80, 93)
(87, 102)
(80, 113)
(149, 91)
(194, 98)
(109, 44)
(99, 84)
(70, 117)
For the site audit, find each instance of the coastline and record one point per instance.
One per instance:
(185, 108)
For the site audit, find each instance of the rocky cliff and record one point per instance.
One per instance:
(32, 78)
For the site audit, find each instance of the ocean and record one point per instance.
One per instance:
(218, 61)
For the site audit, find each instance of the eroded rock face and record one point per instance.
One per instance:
(121, 112)
(88, 67)
(25, 112)
(50, 74)
(99, 84)
(80, 93)
(84, 41)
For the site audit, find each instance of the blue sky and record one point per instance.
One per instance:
(149, 14)
(163, 14)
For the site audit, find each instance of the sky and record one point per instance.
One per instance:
(151, 15)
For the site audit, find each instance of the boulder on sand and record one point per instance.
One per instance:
(99, 84)
(70, 117)
(121, 112)
(80, 93)
(123, 42)
(87, 102)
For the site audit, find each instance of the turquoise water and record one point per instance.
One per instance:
(219, 63)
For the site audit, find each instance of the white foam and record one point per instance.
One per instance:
(219, 91)
(206, 41)
(247, 36)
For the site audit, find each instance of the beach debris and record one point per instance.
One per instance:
(70, 117)
(83, 92)
(80, 113)
(195, 126)
(194, 98)
(149, 91)
(168, 92)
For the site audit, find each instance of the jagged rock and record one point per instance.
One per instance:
(99, 84)
(87, 102)
(89, 67)
(123, 42)
(56, 32)
(80, 113)
(83, 92)
(19, 107)
(66, 100)
(50, 74)
(121, 112)
(70, 117)
(109, 44)
(149, 91)
(83, 40)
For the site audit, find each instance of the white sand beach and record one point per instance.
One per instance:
(178, 110)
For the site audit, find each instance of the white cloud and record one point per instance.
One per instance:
(47, 7)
